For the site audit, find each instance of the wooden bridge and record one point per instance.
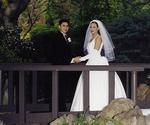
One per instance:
(20, 113)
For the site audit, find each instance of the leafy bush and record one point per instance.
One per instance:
(104, 121)
(131, 38)
(82, 120)
(41, 29)
(42, 37)
(12, 49)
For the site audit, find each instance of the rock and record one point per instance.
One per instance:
(89, 118)
(64, 119)
(117, 106)
(143, 96)
(142, 91)
(70, 118)
(147, 118)
(119, 111)
(58, 121)
(124, 110)
(132, 117)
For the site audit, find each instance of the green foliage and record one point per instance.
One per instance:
(7, 55)
(80, 12)
(4, 3)
(131, 38)
(42, 29)
(58, 9)
(8, 36)
(12, 49)
(128, 23)
(104, 121)
(81, 120)
(64, 122)
(34, 13)
(42, 37)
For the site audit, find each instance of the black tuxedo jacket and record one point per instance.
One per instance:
(61, 50)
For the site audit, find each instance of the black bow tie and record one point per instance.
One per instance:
(66, 37)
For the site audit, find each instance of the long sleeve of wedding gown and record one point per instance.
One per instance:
(91, 54)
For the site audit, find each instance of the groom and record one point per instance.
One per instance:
(62, 56)
(62, 44)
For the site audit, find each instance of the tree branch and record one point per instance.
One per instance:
(14, 9)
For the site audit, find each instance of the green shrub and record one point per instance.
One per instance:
(81, 120)
(12, 49)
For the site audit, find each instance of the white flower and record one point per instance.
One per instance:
(69, 39)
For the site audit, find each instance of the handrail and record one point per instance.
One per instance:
(74, 67)
(34, 67)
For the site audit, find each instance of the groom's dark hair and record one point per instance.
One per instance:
(64, 20)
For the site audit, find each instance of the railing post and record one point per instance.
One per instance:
(54, 94)
(22, 114)
(134, 85)
(111, 85)
(0, 87)
(10, 91)
(86, 91)
(127, 84)
(34, 87)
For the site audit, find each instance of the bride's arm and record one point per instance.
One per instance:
(95, 51)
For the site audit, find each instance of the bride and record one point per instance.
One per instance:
(97, 38)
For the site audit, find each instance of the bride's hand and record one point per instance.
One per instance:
(77, 59)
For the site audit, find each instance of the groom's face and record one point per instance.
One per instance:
(64, 27)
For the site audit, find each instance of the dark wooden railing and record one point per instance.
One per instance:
(23, 113)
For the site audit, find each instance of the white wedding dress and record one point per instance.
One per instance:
(98, 83)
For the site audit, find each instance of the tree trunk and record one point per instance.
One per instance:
(9, 15)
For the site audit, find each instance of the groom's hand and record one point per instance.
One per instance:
(77, 59)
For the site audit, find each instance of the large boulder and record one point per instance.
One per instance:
(69, 119)
(124, 110)
(147, 118)
(119, 112)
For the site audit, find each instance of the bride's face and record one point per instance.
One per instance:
(94, 28)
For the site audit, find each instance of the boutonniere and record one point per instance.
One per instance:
(69, 39)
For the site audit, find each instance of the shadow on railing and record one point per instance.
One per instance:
(21, 113)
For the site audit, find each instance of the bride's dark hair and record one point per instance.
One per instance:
(97, 26)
